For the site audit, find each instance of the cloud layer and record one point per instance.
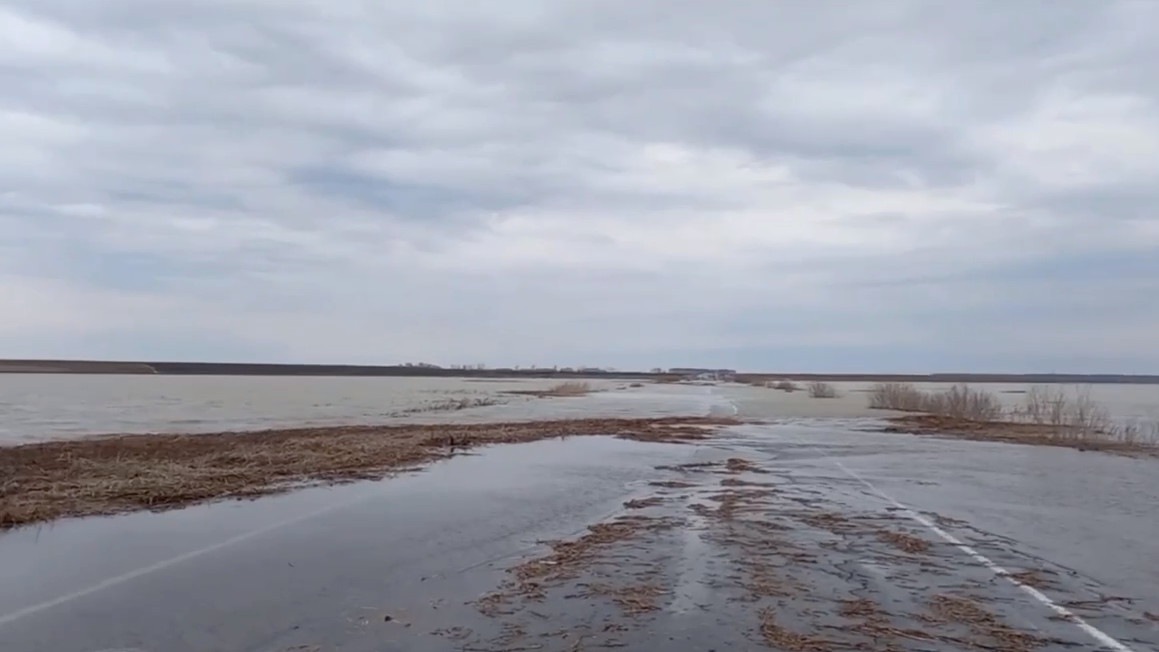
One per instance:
(887, 186)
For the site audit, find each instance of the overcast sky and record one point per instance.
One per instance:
(826, 185)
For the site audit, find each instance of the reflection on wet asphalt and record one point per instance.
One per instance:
(770, 536)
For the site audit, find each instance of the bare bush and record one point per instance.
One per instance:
(1076, 415)
(1042, 404)
(896, 396)
(785, 386)
(1048, 414)
(822, 390)
(964, 402)
(1136, 433)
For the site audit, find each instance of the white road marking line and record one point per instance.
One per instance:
(166, 563)
(1102, 637)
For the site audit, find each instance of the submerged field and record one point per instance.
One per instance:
(42, 407)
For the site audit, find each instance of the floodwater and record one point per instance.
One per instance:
(402, 564)
(37, 407)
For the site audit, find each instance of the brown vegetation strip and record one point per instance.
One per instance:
(568, 560)
(777, 637)
(948, 608)
(871, 621)
(113, 474)
(1031, 577)
(568, 557)
(632, 600)
(1014, 432)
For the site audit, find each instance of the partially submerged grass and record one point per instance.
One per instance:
(569, 388)
(450, 405)
(785, 386)
(819, 389)
(112, 474)
(566, 388)
(1047, 415)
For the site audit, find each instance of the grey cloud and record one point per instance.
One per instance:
(706, 167)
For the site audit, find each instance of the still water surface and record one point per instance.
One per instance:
(38, 407)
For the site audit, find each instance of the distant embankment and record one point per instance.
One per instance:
(74, 367)
(242, 369)
(246, 369)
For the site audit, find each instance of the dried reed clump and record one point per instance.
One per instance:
(903, 397)
(570, 388)
(957, 402)
(566, 388)
(819, 389)
(785, 386)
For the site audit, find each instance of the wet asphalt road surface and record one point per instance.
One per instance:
(816, 536)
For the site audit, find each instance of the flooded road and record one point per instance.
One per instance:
(810, 534)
